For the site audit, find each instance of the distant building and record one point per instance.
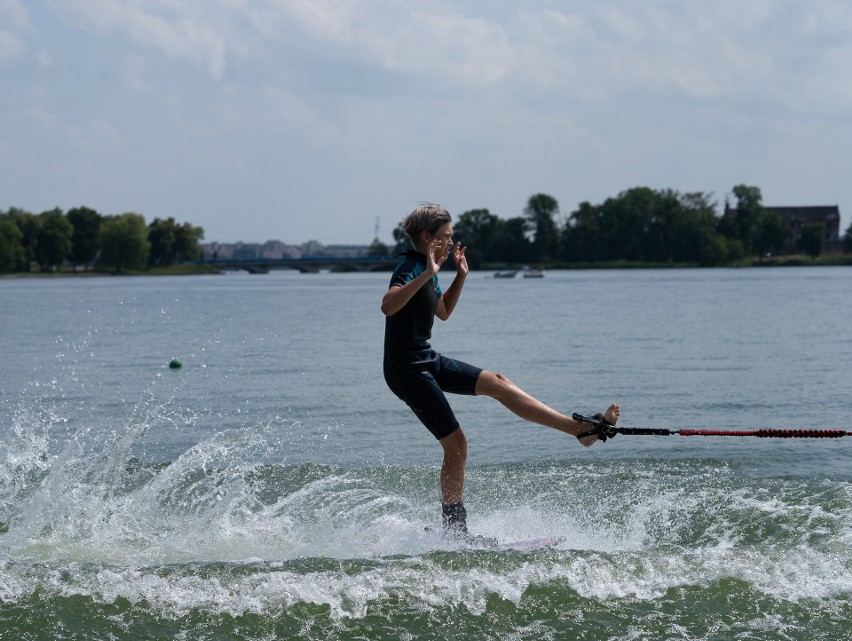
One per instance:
(271, 249)
(312, 248)
(345, 251)
(276, 250)
(217, 251)
(798, 217)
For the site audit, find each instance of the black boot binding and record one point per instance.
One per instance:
(454, 517)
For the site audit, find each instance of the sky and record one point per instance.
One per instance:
(323, 120)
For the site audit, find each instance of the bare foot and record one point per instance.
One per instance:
(610, 416)
(612, 413)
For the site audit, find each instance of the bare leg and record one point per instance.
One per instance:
(531, 409)
(452, 469)
(453, 512)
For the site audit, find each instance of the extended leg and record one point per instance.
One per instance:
(531, 409)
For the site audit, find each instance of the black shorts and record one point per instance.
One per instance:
(422, 383)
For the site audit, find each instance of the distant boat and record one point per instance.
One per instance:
(508, 274)
(533, 273)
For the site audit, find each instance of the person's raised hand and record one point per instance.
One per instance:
(434, 264)
(460, 259)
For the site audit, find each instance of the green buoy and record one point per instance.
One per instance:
(175, 363)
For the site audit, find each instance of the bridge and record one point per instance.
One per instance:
(310, 265)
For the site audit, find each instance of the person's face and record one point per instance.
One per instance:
(444, 236)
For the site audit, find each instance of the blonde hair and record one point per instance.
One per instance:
(428, 217)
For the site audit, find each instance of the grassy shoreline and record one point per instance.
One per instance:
(174, 270)
(795, 260)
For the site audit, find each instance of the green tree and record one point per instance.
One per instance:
(663, 212)
(172, 243)
(812, 240)
(85, 239)
(30, 226)
(124, 242)
(188, 239)
(624, 221)
(540, 213)
(743, 223)
(161, 237)
(509, 242)
(694, 236)
(721, 250)
(378, 248)
(771, 234)
(645, 225)
(475, 229)
(581, 238)
(54, 240)
(847, 240)
(401, 241)
(11, 245)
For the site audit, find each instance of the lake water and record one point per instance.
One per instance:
(274, 488)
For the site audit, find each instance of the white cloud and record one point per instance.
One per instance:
(288, 112)
(94, 137)
(14, 22)
(14, 15)
(11, 46)
(423, 38)
(329, 20)
(701, 50)
(182, 30)
(45, 120)
(626, 27)
(410, 96)
(693, 50)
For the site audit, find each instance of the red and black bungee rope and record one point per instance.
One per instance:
(768, 433)
(604, 430)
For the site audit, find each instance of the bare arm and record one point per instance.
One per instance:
(398, 296)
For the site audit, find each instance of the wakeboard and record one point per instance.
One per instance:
(475, 542)
(532, 544)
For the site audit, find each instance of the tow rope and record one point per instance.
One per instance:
(605, 430)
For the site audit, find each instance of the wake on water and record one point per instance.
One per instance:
(232, 527)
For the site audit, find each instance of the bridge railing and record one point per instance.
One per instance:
(306, 264)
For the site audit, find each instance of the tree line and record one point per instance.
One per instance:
(640, 225)
(81, 237)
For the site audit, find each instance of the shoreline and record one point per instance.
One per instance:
(797, 260)
(176, 270)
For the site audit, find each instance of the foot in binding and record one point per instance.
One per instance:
(601, 422)
(455, 528)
